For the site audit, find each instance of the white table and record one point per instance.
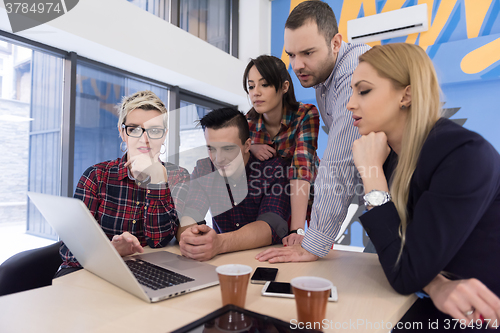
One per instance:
(83, 302)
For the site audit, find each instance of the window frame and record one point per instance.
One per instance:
(178, 94)
(70, 62)
(174, 16)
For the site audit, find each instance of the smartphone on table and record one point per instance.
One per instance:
(284, 289)
(263, 275)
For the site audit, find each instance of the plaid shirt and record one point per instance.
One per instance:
(297, 140)
(262, 195)
(118, 204)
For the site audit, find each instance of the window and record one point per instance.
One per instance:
(58, 116)
(31, 89)
(160, 8)
(208, 20)
(192, 146)
(192, 141)
(99, 91)
(214, 21)
(5, 47)
(1, 76)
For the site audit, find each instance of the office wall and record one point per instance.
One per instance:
(120, 34)
(255, 29)
(463, 42)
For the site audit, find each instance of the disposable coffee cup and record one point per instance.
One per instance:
(311, 298)
(233, 280)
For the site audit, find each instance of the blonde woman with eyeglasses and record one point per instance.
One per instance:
(137, 199)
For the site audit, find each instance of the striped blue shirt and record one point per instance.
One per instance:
(337, 177)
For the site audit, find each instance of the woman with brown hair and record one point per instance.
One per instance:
(281, 126)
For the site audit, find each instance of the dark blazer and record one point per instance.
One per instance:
(454, 213)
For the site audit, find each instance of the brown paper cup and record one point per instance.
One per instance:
(233, 281)
(311, 298)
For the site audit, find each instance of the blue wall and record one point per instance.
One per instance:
(463, 41)
(457, 31)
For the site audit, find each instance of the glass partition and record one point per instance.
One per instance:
(99, 92)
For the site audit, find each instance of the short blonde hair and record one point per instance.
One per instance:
(144, 100)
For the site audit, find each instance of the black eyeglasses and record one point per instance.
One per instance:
(137, 131)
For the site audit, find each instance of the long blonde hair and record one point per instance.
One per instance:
(408, 65)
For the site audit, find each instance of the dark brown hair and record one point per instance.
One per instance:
(227, 117)
(317, 11)
(274, 71)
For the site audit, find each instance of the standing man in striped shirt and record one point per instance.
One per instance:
(321, 60)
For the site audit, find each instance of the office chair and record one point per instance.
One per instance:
(29, 269)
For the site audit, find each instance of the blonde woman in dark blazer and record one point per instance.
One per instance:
(432, 187)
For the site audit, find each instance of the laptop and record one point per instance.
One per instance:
(157, 276)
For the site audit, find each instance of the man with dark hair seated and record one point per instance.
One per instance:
(249, 199)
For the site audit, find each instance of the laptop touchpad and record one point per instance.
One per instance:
(181, 264)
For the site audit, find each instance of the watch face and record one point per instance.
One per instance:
(301, 232)
(376, 198)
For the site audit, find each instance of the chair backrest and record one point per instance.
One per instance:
(29, 269)
(351, 211)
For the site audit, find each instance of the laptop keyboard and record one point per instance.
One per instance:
(153, 276)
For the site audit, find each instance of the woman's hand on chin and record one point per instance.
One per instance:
(369, 154)
(370, 151)
(144, 166)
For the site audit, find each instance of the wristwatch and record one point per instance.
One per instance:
(299, 231)
(376, 198)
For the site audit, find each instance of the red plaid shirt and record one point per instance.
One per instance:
(297, 140)
(118, 204)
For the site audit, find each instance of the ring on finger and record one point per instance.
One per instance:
(470, 312)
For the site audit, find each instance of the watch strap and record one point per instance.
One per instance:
(296, 231)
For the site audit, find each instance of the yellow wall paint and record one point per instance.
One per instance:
(350, 10)
(393, 5)
(481, 58)
(443, 14)
(412, 38)
(475, 12)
